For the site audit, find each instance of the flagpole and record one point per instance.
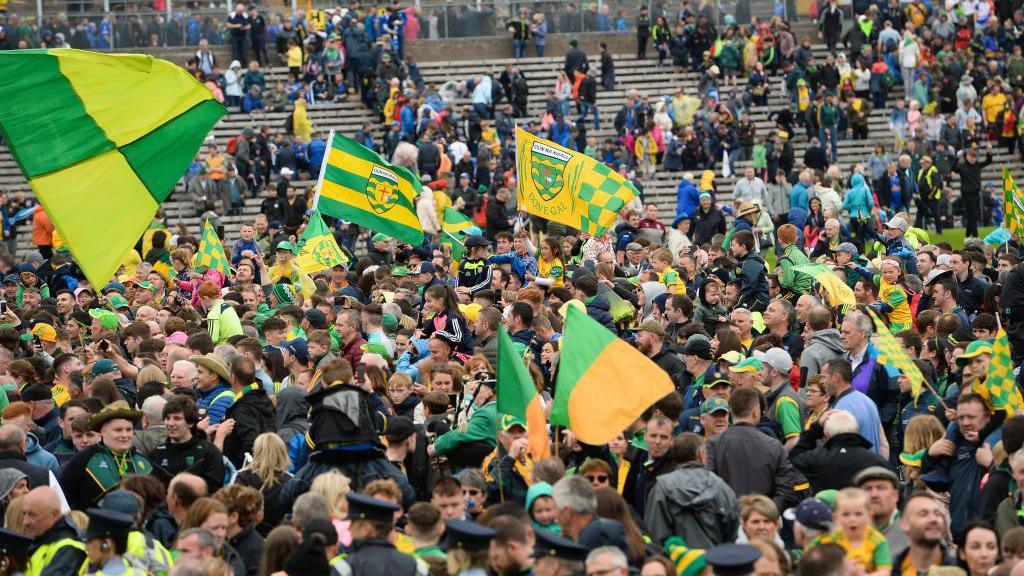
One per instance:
(323, 169)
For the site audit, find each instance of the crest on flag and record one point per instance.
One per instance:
(547, 170)
(382, 190)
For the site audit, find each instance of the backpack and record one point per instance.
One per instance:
(289, 124)
(232, 148)
(497, 92)
(891, 45)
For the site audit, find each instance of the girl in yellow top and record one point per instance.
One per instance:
(489, 138)
(550, 269)
(893, 297)
(294, 58)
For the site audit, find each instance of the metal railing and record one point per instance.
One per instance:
(120, 24)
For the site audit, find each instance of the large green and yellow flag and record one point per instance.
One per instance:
(566, 186)
(603, 383)
(211, 252)
(999, 388)
(317, 249)
(357, 185)
(102, 139)
(1013, 205)
(891, 353)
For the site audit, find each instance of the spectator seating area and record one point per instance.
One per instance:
(646, 76)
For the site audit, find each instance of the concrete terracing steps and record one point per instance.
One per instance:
(645, 76)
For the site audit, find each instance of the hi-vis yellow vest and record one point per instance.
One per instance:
(42, 557)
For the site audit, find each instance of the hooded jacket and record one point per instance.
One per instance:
(687, 198)
(693, 503)
(253, 413)
(37, 456)
(858, 200)
(823, 346)
(651, 291)
(292, 412)
(598, 309)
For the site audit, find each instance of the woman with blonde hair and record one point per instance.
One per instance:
(268, 473)
(150, 373)
(212, 515)
(334, 487)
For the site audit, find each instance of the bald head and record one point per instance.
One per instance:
(12, 438)
(182, 492)
(41, 509)
(145, 313)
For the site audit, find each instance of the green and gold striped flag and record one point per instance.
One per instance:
(455, 221)
(102, 139)
(359, 186)
(999, 388)
(1013, 205)
(317, 249)
(454, 243)
(566, 186)
(211, 252)
(891, 353)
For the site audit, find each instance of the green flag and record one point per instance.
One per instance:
(454, 243)
(317, 249)
(455, 221)
(518, 398)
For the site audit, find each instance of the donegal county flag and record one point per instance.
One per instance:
(568, 187)
(102, 139)
(455, 221)
(838, 292)
(164, 267)
(317, 249)
(999, 388)
(603, 383)
(891, 353)
(518, 398)
(357, 185)
(211, 252)
(1013, 205)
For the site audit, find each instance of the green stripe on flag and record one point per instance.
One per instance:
(455, 221)
(44, 121)
(160, 157)
(515, 388)
(347, 145)
(356, 184)
(589, 339)
(394, 229)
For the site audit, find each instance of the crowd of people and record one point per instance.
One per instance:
(184, 422)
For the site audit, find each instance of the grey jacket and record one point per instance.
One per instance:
(751, 462)
(823, 346)
(693, 503)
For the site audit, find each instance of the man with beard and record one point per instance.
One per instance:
(650, 339)
(924, 521)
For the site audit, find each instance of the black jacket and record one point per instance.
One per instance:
(198, 456)
(575, 59)
(253, 414)
(378, 557)
(497, 217)
(706, 225)
(753, 278)
(970, 174)
(249, 545)
(588, 90)
(834, 464)
(37, 476)
(671, 364)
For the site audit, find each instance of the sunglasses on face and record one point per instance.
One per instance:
(471, 492)
(599, 478)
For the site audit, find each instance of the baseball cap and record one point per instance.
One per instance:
(426, 268)
(698, 346)
(104, 366)
(812, 513)
(732, 357)
(508, 421)
(778, 359)
(974, 349)
(107, 318)
(898, 223)
(652, 326)
(381, 237)
(316, 318)
(297, 347)
(45, 332)
(748, 365)
(475, 240)
(715, 404)
(399, 428)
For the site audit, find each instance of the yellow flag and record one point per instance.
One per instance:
(566, 186)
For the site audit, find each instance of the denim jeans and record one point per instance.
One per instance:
(519, 47)
(585, 108)
(830, 135)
